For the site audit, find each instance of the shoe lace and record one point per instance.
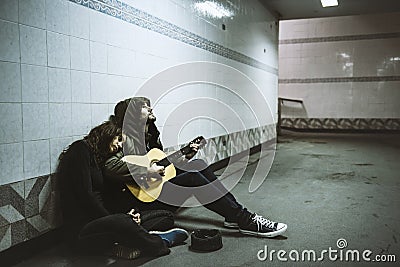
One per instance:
(261, 221)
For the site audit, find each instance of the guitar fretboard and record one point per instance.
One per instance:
(174, 156)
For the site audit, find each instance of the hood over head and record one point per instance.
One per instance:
(127, 115)
(135, 107)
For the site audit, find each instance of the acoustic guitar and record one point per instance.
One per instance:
(149, 189)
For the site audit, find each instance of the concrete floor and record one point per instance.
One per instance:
(324, 186)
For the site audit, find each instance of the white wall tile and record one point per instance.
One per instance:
(59, 85)
(33, 13)
(119, 33)
(60, 120)
(78, 21)
(33, 45)
(153, 43)
(142, 5)
(35, 86)
(189, 92)
(122, 87)
(9, 10)
(138, 39)
(163, 111)
(357, 58)
(10, 85)
(57, 16)
(11, 122)
(149, 65)
(120, 61)
(80, 55)
(80, 83)
(81, 119)
(97, 26)
(391, 111)
(57, 145)
(9, 41)
(35, 121)
(187, 132)
(218, 129)
(58, 50)
(100, 113)
(375, 110)
(36, 158)
(165, 10)
(391, 92)
(98, 57)
(99, 89)
(11, 163)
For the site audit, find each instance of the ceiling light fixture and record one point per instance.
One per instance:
(213, 9)
(329, 3)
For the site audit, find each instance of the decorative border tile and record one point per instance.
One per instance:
(341, 38)
(28, 209)
(224, 146)
(125, 12)
(342, 79)
(348, 124)
(12, 204)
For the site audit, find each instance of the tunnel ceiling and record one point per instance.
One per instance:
(301, 9)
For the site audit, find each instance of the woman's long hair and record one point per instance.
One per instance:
(100, 138)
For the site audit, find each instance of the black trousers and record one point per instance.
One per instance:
(101, 234)
(196, 180)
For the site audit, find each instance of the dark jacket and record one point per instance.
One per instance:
(140, 138)
(117, 174)
(81, 186)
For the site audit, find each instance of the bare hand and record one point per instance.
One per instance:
(135, 216)
(155, 171)
(194, 147)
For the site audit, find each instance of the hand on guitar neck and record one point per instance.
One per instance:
(156, 170)
(194, 148)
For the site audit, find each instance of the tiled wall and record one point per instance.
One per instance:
(64, 64)
(342, 68)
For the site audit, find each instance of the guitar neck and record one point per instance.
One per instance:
(174, 156)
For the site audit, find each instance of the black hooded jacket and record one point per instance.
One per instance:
(81, 185)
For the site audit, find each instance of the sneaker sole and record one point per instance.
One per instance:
(181, 236)
(231, 225)
(270, 234)
(169, 231)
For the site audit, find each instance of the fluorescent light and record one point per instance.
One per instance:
(328, 3)
(213, 9)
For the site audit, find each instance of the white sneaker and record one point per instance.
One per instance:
(260, 226)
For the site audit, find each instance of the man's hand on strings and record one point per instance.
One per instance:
(155, 171)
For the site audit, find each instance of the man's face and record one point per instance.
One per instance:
(147, 113)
